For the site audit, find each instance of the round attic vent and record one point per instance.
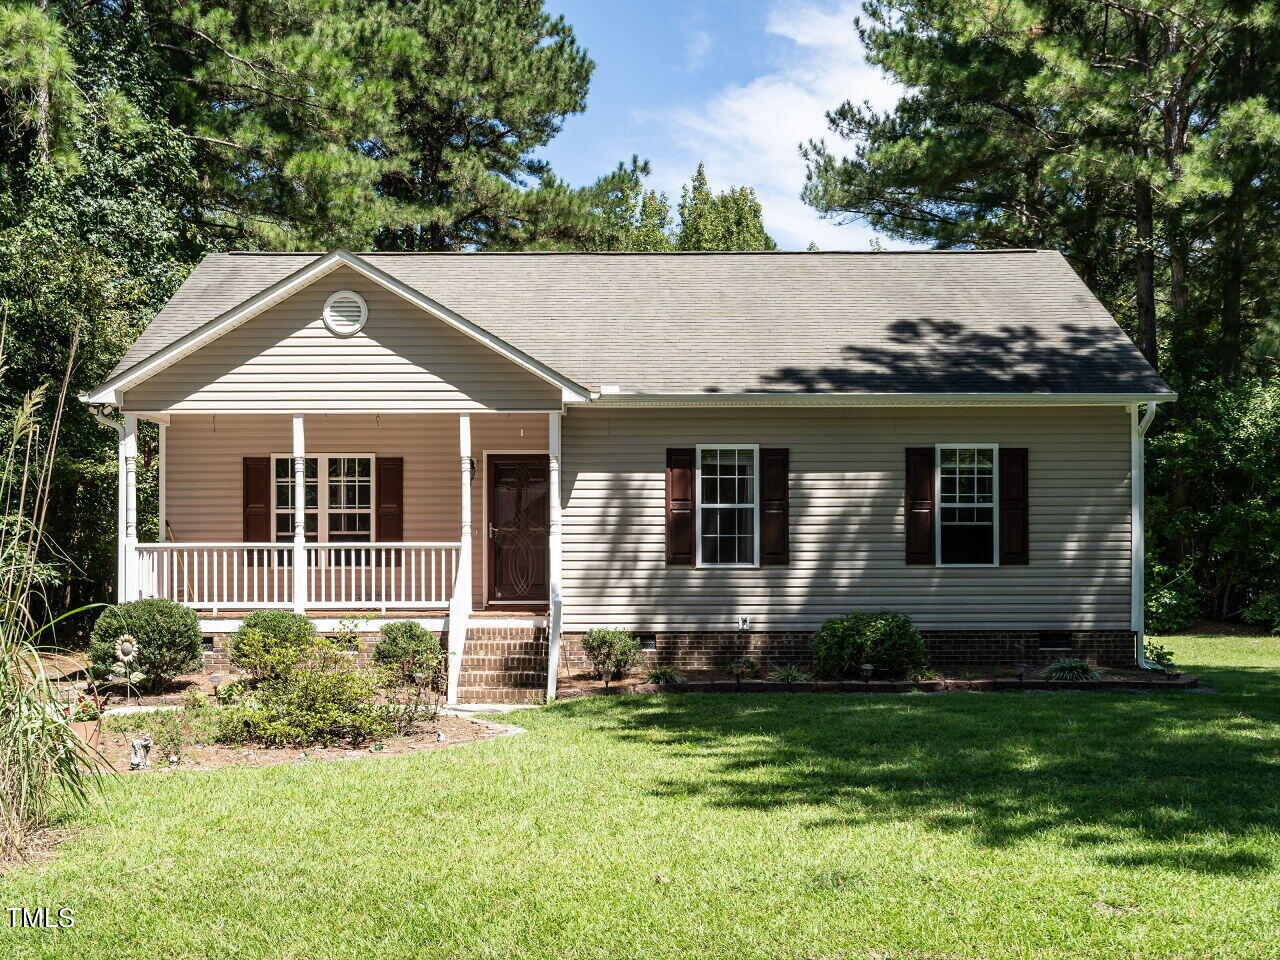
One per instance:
(345, 313)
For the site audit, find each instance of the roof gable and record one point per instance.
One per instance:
(129, 375)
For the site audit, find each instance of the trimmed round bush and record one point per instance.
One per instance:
(887, 640)
(408, 648)
(167, 633)
(270, 644)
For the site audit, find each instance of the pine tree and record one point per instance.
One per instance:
(482, 86)
(634, 218)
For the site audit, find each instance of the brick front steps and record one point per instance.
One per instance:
(1181, 682)
(500, 666)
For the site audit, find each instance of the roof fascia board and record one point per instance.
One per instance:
(110, 391)
(876, 399)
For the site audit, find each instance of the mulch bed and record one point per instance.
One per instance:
(1114, 680)
(455, 730)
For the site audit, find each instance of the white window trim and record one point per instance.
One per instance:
(697, 503)
(995, 501)
(322, 498)
(332, 326)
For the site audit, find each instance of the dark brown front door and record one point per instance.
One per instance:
(518, 518)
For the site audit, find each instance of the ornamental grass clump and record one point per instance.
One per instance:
(44, 766)
(888, 641)
(1069, 668)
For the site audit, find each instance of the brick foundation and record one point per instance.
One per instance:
(508, 664)
(948, 649)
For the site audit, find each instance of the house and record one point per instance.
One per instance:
(717, 451)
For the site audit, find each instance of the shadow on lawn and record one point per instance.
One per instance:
(1182, 782)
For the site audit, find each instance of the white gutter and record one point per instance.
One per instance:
(1138, 528)
(96, 410)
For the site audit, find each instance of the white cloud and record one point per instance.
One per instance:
(749, 133)
(697, 44)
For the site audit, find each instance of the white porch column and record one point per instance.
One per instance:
(460, 603)
(162, 524)
(299, 516)
(129, 467)
(555, 551)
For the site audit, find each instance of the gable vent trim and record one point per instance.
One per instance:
(345, 313)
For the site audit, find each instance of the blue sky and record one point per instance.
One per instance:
(736, 84)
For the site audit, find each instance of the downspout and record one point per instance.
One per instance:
(96, 410)
(1138, 528)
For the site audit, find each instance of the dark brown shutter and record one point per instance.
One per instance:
(919, 505)
(775, 475)
(390, 476)
(680, 526)
(257, 499)
(1013, 506)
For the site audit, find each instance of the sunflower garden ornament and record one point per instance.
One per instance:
(126, 654)
(126, 649)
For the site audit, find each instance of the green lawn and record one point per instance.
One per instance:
(958, 825)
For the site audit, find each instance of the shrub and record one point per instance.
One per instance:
(325, 699)
(270, 644)
(1172, 600)
(1069, 668)
(889, 641)
(167, 633)
(410, 650)
(611, 652)
(1264, 611)
(665, 675)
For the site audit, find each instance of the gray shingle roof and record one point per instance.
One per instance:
(917, 322)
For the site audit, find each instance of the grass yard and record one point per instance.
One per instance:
(1046, 825)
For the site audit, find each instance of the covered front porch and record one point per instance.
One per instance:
(432, 516)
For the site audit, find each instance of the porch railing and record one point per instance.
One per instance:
(213, 576)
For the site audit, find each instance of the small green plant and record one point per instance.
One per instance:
(84, 708)
(1157, 654)
(611, 652)
(229, 692)
(665, 676)
(889, 641)
(168, 730)
(270, 644)
(1069, 668)
(347, 636)
(746, 667)
(410, 651)
(789, 675)
(167, 634)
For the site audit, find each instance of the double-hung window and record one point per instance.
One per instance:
(728, 492)
(968, 518)
(338, 498)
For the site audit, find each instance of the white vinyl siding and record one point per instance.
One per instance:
(846, 521)
(287, 359)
